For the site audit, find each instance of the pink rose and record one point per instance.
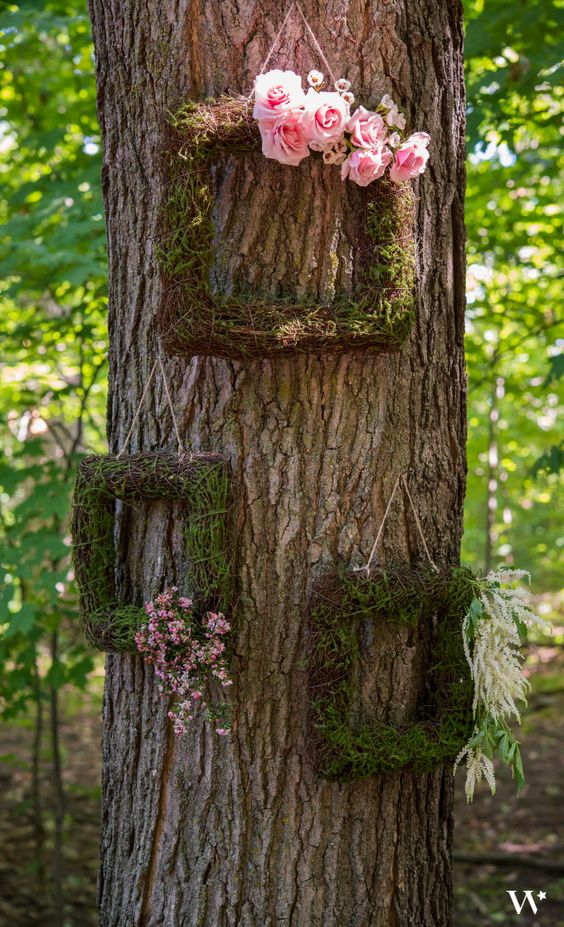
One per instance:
(411, 158)
(366, 164)
(284, 140)
(276, 92)
(326, 116)
(367, 129)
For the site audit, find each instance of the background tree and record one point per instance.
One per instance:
(242, 831)
(53, 310)
(514, 330)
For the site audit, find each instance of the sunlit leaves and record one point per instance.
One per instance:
(514, 53)
(53, 305)
(514, 280)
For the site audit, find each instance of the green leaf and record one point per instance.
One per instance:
(475, 612)
(518, 768)
(503, 746)
(556, 369)
(21, 622)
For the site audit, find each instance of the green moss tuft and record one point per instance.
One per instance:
(195, 321)
(202, 481)
(443, 720)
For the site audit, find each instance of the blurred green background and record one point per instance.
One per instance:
(52, 408)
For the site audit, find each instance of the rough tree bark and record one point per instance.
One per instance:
(239, 831)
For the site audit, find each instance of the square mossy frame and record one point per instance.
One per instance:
(442, 722)
(193, 320)
(201, 481)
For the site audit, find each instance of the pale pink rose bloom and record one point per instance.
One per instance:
(411, 158)
(276, 92)
(365, 165)
(284, 139)
(326, 116)
(368, 129)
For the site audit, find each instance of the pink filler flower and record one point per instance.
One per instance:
(185, 654)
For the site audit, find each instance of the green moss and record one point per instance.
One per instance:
(443, 719)
(201, 481)
(193, 320)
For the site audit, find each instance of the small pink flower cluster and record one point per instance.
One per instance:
(185, 653)
(293, 123)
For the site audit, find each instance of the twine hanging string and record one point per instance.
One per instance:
(275, 43)
(158, 361)
(316, 43)
(418, 523)
(138, 409)
(381, 528)
(294, 5)
(170, 405)
(400, 479)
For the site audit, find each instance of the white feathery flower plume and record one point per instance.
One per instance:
(491, 638)
(478, 764)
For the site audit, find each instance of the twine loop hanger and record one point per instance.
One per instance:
(158, 362)
(295, 6)
(401, 479)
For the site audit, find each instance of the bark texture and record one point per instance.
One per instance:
(239, 831)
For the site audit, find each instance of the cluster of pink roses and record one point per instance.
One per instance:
(185, 653)
(293, 123)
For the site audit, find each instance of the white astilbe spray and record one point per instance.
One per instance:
(477, 765)
(496, 660)
(491, 635)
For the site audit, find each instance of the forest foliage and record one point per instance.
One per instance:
(54, 329)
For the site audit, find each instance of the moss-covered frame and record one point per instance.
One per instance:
(201, 481)
(443, 719)
(195, 321)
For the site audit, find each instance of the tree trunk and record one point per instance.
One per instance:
(213, 831)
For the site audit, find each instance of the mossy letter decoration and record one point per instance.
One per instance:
(197, 320)
(200, 480)
(443, 719)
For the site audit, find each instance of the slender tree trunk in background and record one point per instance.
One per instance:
(59, 792)
(239, 831)
(497, 394)
(38, 828)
